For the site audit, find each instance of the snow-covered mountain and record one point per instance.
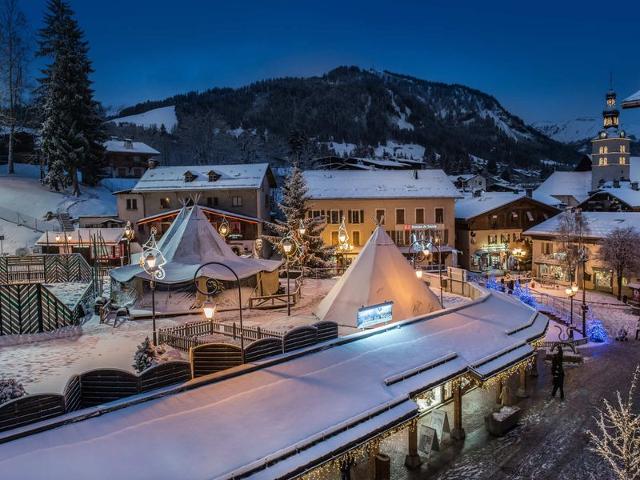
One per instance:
(580, 129)
(157, 117)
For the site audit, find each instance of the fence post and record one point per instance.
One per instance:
(234, 330)
(259, 333)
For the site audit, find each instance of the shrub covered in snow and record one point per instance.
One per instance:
(147, 355)
(524, 294)
(10, 389)
(596, 331)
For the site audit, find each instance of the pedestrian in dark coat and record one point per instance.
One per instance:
(557, 373)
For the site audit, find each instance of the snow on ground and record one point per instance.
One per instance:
(606, 307)
(16, 237)
(44, 362)
(341, 149)
(158, 116)
(68, 293)
(403, 150)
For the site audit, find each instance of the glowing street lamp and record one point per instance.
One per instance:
(302, 229)
(571, 292)
(209, 310)
(152, 262)
(223, 229)
(419, 274)
(288, 248)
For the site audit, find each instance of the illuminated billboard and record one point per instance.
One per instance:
(374, 314)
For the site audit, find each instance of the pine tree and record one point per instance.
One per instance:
(314, 253)
(145, 356)
(71, 130)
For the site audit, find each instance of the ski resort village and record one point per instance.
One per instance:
(224, 256)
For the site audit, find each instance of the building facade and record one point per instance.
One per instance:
(125, 158)
(489, 230)
(404, 202)
(549, 265)
(236, 191)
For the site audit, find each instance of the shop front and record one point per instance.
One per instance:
(490, 257)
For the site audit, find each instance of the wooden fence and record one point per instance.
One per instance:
(277, 300)
(45, 269)
(33, 308)
(187, 336)
(89, 389)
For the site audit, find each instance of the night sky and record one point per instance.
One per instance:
(543, 60)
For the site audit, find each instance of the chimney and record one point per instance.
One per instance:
(128, 143)
(616, 183)
(151, 164)
(634, 186)
(529, 192)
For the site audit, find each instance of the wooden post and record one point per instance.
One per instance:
(372, 461)
(382, 467)
(413, 460)
(534, 366)
(498, 391)
(458, 432)
(522, 388)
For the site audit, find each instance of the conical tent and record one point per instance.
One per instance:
(380, 273)
(190, 242)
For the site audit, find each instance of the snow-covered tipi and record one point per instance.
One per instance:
(380, 273)
(192, 241)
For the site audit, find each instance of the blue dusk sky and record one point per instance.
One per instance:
(543, 60)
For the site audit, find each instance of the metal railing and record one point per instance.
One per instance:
(24, 220)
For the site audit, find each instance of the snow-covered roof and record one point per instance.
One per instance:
(465, 177)
(82, 236)
(470, 207)
(249, 175)
(574, 184)
(276, 419)
(190, 242)
(380, 273)
(623, 192)
(600, 224)
(325, 184)
(126, 146)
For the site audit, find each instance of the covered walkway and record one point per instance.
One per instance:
(291, 414)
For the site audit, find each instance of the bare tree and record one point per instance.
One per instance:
(619, 252)
(572, 227)
(617, 436)
(14, 49)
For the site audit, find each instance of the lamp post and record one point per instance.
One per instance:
(436, 243)
(209, 311)
(152, 260)
(287, 248)
(303, 251)
(571, 292)
(583, 260)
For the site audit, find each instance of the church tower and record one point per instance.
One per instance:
(610, 149)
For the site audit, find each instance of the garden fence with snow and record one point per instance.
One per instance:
(41, 293)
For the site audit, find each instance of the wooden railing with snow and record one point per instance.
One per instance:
(88, 389)
(53, 268)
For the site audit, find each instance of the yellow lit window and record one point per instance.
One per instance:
(623, 149)
(623, 160)
(603, 161)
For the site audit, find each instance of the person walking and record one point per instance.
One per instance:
(557, 373)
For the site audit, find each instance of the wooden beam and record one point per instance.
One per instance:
(458, 432)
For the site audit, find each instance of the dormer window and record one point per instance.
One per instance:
(189, 177)
(213, 176)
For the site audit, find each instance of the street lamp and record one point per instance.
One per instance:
(152, 260)
(571, 292)
(436, 243)
(302, 229)
(288, 249)
(211, 311)
(419, 274)
(223, 229)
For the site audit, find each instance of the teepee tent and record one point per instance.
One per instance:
(190, 242)
(379, 274)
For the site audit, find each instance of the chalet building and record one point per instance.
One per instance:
(548, 265)
(126, 158)
(489, 229)
(105, 245)
(239, 195)
(404, 202)
(469, 182)
(615, 196)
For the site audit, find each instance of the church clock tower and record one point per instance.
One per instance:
(610, 149)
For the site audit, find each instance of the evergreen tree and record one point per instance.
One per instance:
(71, 130)
(145, 356)
(313, 252)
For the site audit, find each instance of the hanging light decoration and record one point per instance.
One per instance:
(152, 260)
(302, 229)
(224, 228)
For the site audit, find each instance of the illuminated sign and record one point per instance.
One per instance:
(374, 314)
(423, 226)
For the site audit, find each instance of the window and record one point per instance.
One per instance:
(355, 238)
(603, 149)
(236, 201)
(165, 202)
(317, 214)
(334, 238)
(213, 176)
(399, 216)
(623, 160)
(420, 215)
(132, 203)
(334, 217)
(122, 172)
(399, 237)
(380, 216)
(547, 248)
(492, 239)
(602, 161)
(212, 202)
(530, 216)
(356, 216)
(439, 215)
(623, 149)
(189, 177)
